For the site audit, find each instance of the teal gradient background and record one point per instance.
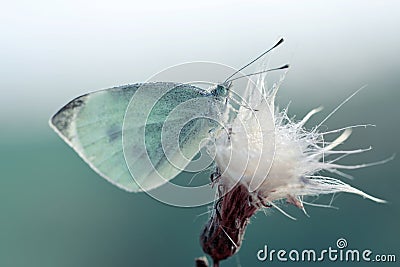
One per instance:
(55, 211)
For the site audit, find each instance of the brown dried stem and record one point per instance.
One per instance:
(223, 234)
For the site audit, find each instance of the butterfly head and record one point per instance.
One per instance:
(221, 90)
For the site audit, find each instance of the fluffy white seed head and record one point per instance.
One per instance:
(275, 157)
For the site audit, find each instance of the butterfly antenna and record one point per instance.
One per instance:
(255, 73)
(254, 60)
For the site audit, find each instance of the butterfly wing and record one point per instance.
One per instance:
(93, 125)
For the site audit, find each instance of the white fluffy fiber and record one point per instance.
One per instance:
(277, 158)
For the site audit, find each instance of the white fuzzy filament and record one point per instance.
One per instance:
(277, 158)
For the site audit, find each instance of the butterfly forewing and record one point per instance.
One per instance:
(93, 125)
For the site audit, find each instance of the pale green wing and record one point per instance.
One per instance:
(177, 119)
(92, 125)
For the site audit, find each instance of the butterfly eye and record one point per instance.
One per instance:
(222, 90)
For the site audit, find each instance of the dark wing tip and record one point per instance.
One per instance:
(61, 121)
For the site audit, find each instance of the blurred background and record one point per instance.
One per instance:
(55, 211)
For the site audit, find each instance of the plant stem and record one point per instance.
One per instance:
(223, 234)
